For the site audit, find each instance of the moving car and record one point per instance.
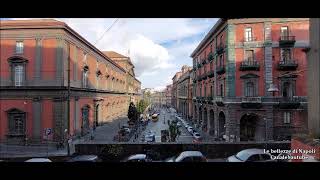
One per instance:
(138, 158)
(155, 117)
(251, 155)
(85, 158)
(188, 156)
(38, 160)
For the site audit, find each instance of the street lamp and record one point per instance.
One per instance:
(273, 88)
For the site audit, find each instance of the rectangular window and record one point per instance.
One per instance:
(18, 75)
(249, 55)
(19, 47)
(284, 31)
(221, 60)
(85, 79)
(286, 117)
(248, 34)
(249, 89)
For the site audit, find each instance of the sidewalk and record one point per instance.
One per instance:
(102, 134)
(14, 151)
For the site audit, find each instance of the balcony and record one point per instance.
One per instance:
(221, 70)
(210, 74)
(210, 100)
(199, 77)
(220, 49)
(249, 65)
(287, 41)
(203, 62)
(285, 65)
(219, 101)
(251, 102)
(249, 39)
(210, 57)
(204, 76)
(290, 102)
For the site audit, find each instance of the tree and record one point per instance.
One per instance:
(142, 105)
(132, 113)
(174, 131)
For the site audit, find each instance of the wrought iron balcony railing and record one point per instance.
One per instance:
(287, 65)
(249, 39)
(220, 48)
(249, 65)
(251, 99)
(292, 102)
(210, 57)
(287, 41)
(221, 69)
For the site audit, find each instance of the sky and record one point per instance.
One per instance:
(157, 47)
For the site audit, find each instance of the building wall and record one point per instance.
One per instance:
(313, 77)
(43, 98)
(266, 34)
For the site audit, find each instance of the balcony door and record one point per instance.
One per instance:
(249, 55)
(286, 54)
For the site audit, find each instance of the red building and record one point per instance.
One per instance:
(43, 63)
(174, 96)
(250, 79)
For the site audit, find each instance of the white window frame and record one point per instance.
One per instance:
(19, 47)
(248, 34)
(85, 78)
(18, 75)
(286, 117)
(282, 30)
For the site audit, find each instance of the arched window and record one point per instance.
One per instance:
(17, 122)
(85, 117)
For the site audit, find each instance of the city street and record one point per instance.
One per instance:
(162, 124)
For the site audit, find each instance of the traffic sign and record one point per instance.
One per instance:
(48, 131)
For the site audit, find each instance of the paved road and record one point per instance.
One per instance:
(162, 124)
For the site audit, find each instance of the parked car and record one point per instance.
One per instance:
(38, 160)
(150, 137)
(138, 158)
(179, 124)
(85, 158)
(197, 136)
(251, 155)
(188, 156)
(190, 129)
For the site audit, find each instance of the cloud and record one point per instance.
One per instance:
(159, 88)
(158, 46)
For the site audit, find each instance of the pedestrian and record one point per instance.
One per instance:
(91, 134)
